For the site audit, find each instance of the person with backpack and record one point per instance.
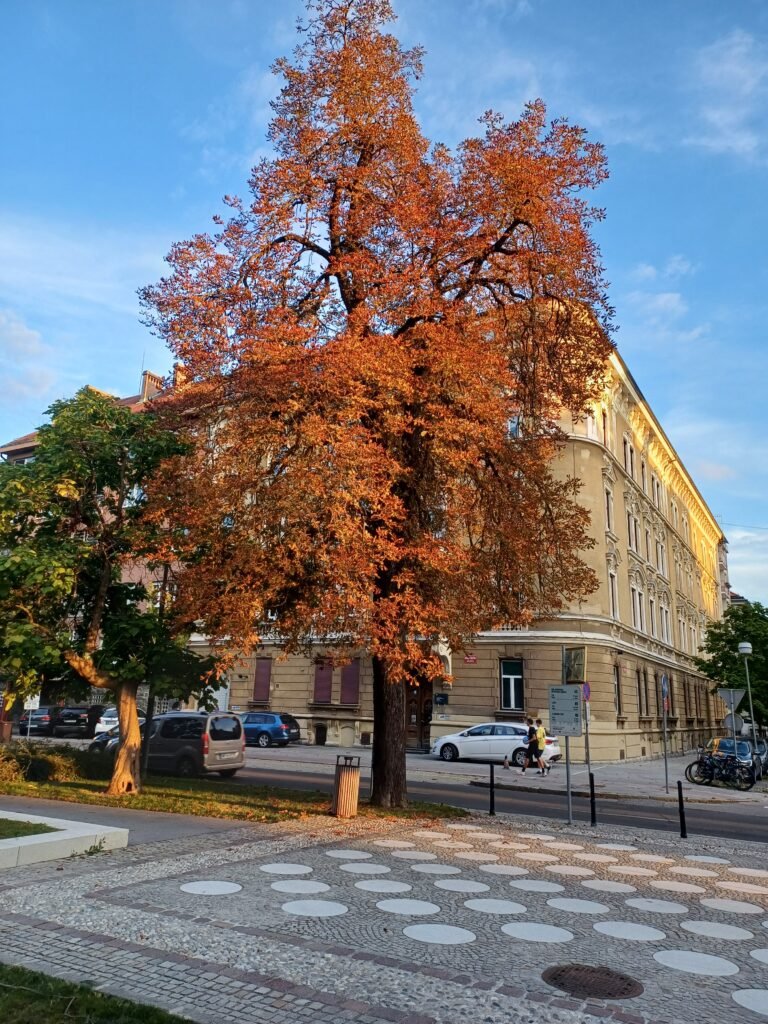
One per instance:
(532, 753)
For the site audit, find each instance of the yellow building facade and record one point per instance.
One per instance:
(661, 561)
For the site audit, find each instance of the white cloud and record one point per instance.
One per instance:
(678, 266)
(748, 562)
(25, 370)
(644, 272)
(730, 81)
(659, 307)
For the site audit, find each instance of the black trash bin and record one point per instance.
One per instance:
(321, 734)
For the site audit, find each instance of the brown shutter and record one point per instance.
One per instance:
(262, 680)
(350, 682)
(323, 682)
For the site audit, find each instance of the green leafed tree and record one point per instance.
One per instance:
(722, 661)
(73, 596)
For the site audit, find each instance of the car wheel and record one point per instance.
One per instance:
(448, 752)
(518, 757)
(228, 773)
(264, 740)
(186, 767)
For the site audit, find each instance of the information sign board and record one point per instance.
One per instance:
(565, 710)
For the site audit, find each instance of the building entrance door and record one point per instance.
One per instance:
(418, 716)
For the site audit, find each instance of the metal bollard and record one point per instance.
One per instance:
(346, 786)
(681, 808)
(592, 802)
(492, 791)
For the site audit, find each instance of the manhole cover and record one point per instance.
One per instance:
(598, 982)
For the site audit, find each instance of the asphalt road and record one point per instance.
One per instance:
(751, 823)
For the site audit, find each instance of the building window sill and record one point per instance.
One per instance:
(260, 703)
(509, 713)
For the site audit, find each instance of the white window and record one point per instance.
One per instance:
(608, 509)
(674, 515)
(681, 633)
(661, 557)
(613, 592)
(652, 615)
(643, 476)
(641, 610)
(512, 695)
(647, 545)
(617, 690)
(665, 625)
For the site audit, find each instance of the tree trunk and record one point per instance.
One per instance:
(388, 782)
(126, 776)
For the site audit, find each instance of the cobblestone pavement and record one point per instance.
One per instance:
(365, 922)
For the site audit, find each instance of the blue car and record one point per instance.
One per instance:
(263, 728)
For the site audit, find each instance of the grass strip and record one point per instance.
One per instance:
(214, 799)
(28, 997)
(15, 829)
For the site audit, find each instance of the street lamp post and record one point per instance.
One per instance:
(745, 649)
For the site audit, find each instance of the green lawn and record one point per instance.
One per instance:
(27, 997)
(13, 829)
(209, 798)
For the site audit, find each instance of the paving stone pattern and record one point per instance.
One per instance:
(368, 922)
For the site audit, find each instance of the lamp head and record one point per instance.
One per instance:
(745, 649)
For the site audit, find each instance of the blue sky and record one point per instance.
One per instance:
(123, 124)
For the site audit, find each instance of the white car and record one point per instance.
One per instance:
(107, 721)
(492, 741)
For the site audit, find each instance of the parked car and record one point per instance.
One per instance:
(196, 742)
(263, 728)
(70, 719)
(106, 742)
(107, 719)
(41, 724)
(721, 746)
(492, 741)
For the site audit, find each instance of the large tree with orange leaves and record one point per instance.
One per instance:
(374, 352)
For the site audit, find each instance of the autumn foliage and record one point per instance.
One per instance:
(374, 351)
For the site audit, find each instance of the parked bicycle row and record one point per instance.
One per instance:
(736, 764)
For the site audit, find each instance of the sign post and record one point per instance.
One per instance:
(732, 697)
(665, 705)
(565, 720)
(31, 704)
(586, 690)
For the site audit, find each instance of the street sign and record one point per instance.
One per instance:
(733, 723)
(731, 696)
(32, 703)
(586, 691)
(470, 659)
(565, 710)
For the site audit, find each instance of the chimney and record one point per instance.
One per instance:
(151, 385)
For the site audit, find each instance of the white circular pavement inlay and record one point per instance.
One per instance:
(286, 869)
(427, 834)
(211, 888)
(477, 856)
(315, 908)
(462, 885)
(348, 854)
(748, 872)
(731, 906)
(393, 844)
(383, 885)
(487, 835)
(651, 858)
(357, 867)
(535, 931)
(539, 858)
(567, 869)
(413, 855)
(693, 872)
(578, 906)
(564, 846)
(544, 836)
(658, 906)
(761, 955)
(502, 869)
(615, 846)
(300, 885)
(506, 845)
(695, 963)
(604, 886)
(745, 887)
(449, 844)
(495, 906)
(439, 934)
(464, 828)
(632, 871)
(676, 887)
(536, 885)
(701, 859)
(411, 908)
(629, 930)
(596, 858)
(436, 869)
(714, 930)
(755, 999)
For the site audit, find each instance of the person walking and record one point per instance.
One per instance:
(532, 753)
(541, 744)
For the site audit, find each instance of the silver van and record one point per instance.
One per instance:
(196, 743)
